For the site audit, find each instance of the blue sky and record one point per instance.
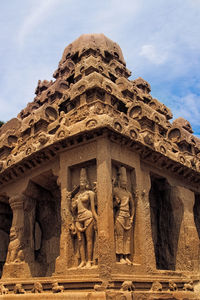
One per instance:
(160, 40)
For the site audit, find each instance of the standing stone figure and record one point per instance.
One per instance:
(85, 217)
(125, 211)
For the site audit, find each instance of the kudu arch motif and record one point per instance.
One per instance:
(67, 228)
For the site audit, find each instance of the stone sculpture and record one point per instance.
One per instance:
(188, 286)
(18, 289)
(37, 288)
(173, 286)
(56, 288)
(125, 205)
(156, 286)
(15, 252)
(101, 287)
(3, 289)
(85, 219)
(128, 286)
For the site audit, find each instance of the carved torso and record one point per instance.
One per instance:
(122, 197)
(83, 200)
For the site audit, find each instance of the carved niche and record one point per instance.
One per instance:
(124, 204)
(82, 201)
(42, 222)
(166, 216)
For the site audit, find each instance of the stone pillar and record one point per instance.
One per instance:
(144, 247)
(187, 258)
(106, 246)
(64, 261)
(15, 265)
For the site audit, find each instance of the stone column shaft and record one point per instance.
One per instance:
(106, 246)
(144, 252)
(15, 265)
(17, 206)
(187, 257)
(63, 261)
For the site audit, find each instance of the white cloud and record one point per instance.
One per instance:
(38, 14)
(188, 108)
(159, 40)
(151, 53)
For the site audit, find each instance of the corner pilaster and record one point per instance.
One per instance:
(187, 258)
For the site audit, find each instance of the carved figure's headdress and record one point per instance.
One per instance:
(83, 175)
(122, 173)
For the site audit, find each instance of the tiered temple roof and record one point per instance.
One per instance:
(91, 93)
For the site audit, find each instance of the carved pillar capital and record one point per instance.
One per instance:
(17, 205)
(17, 201)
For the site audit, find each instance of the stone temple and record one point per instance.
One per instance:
(99, 191)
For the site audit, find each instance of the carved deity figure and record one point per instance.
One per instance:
(85, 217)
(125, 211)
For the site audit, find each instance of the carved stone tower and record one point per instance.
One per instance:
(99, 192)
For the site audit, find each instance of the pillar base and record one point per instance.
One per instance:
(16, 270)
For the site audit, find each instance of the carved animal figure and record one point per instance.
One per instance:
(15, 253)
(101, 287)
(56, 288)
(127, 286)
(172, 286)
(156, 286)
(37, 288)
(18, 289)
(3, 290)
(188, 286)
